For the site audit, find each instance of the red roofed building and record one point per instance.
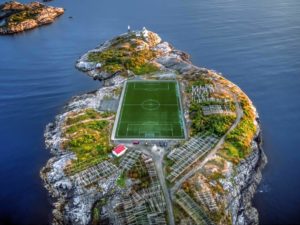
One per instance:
(119, 150)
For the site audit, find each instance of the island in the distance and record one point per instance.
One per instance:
(16, 17)
(162, 142)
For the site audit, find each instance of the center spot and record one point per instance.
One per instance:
(150, 104)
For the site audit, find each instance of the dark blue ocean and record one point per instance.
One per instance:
(256, 44)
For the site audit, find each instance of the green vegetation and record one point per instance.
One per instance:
(150, 109)
(215, 176)
(139, 172)
(168, 162)
(145, 68)
(230, 152)
(217, 124)
(87, 135)
(95, 215)
(238, 141)
(188, 188)
(96, 212)
(121, 181)
(23, 15)
(179, 214)
(219, 216)
(201, 81)
(123, 55)
(86, 115)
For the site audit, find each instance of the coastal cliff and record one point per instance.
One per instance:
(16, 17)
(226, 178)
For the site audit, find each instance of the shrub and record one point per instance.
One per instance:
(88, 140)
(118, 58)
(22, 15)
(217, 124)
(238, 141)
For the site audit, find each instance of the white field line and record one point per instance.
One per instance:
(146, 104)
(118, 112)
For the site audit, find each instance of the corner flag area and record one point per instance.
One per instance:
(149, 110)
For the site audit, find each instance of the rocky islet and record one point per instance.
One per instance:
(73, 203)
(16, 17)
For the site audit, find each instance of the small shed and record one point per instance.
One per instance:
(119, 150)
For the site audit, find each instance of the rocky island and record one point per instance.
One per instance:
(206, 176)
(17, 17)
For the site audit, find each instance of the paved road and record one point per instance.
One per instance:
(178, 183)
(157, 156)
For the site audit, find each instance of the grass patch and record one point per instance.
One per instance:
(238, 142)
(123, 55)
(145, 68)
(88, 140)
(216, 124)
(87, 114)
(23, 15)
(215, 176)
(121, 181)
(179, 214)
(96, 212)
(20, 17)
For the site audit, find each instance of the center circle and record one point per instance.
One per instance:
(150, 104)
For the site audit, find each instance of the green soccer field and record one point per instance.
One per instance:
(150, 110)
